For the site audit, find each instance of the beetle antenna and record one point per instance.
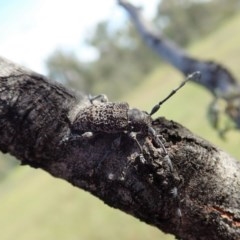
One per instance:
(195, 76)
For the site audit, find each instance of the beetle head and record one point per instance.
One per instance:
(139, 120)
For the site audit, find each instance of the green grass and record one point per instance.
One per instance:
(34, 205)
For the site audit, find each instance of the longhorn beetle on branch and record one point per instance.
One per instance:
(109, 117)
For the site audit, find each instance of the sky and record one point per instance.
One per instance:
(30, 30)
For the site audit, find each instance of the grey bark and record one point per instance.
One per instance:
(215, 77)
(36, 114)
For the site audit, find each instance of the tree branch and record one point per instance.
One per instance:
(36, 115)
(215, 77)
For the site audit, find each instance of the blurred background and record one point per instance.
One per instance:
(92, 46)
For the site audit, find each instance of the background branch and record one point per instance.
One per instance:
(215, 77)
(35, 116)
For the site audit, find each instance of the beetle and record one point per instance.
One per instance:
(110, 117)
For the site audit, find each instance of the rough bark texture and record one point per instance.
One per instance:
(215, 77)
(35, 117)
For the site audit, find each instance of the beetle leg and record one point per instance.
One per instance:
(133, 135)
(76, 137)
(102, 98)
